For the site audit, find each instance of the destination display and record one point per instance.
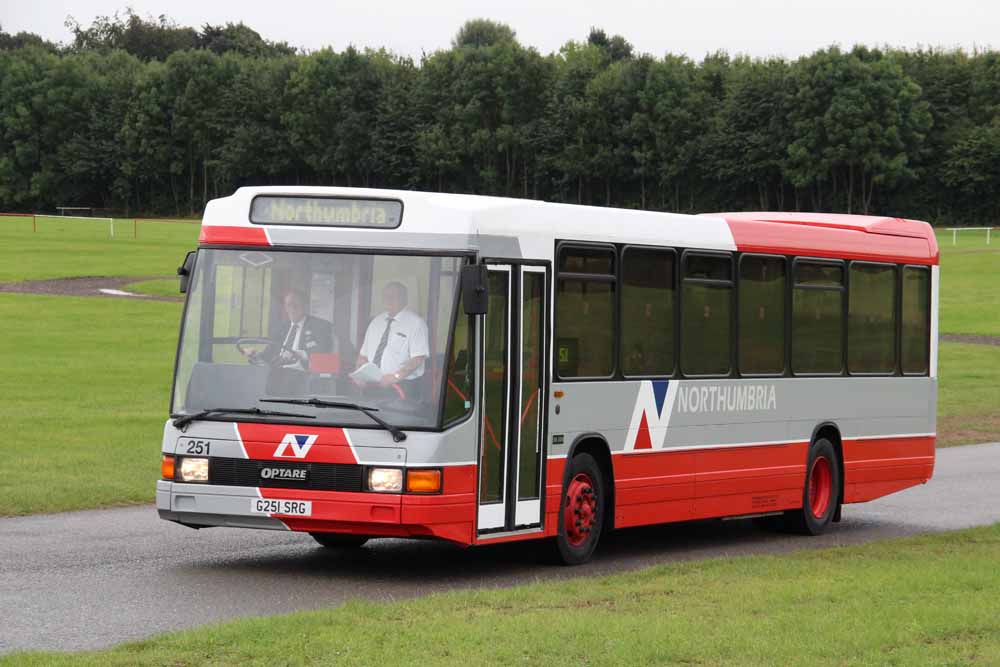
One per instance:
(326, 211)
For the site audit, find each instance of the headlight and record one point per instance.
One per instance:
(193, 469)
(385, 480)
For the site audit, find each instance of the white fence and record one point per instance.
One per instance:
(955, 230)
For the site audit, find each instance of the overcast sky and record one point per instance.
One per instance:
(771, 27)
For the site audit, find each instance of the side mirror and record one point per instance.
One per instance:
(475, 294)
(185, 270)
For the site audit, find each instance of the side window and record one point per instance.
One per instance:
(762, 315)
(818, 318)
(706, 314)
(585, 312)
(915, 343)
(871, 318)
(647, 311)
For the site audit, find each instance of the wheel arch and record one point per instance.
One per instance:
(597, 446)
(831, 432)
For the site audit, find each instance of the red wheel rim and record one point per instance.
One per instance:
(820, 486)
(580, 509)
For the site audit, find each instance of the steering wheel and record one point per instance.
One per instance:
(254, 359)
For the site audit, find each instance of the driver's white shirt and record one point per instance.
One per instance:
(407, 339)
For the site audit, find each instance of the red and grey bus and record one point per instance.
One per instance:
(360, 363)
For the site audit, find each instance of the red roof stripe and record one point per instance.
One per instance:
(835, 236)
(217, 235)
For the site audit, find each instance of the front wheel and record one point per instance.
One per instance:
(340, 540)
(582, 511)
(821, 494)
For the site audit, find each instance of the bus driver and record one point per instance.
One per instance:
(304, 335)
(396, 342)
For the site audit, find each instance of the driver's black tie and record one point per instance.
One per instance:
(382, 343)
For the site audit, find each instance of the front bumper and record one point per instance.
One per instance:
(377, 515)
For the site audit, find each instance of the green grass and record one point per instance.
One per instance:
(159, 287)
(85, 389)
(970, 284)
(968, 394)
(61, 249)
(928, 600)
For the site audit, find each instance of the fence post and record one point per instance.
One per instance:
(34, 225)
(988, 230)
(954, 236)
(135, 228)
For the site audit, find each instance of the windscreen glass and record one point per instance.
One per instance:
(368, 329)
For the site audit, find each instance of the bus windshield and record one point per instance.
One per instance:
(378, 330)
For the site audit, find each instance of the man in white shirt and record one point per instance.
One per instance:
(396, 342)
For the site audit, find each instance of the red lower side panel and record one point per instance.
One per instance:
(650, 488)
(878, 467)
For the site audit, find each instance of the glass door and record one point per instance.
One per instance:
(511, 447)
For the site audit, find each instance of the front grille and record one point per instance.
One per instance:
(320, 476)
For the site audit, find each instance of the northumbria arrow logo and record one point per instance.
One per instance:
(300, 445)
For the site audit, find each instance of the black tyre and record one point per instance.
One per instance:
(582, 511)
(821, 492)
(340, 540)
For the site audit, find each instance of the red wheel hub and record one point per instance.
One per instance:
(580, 511)
(820, 486)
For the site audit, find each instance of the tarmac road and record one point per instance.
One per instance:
(85, 580)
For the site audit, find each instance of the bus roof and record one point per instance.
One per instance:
(507, 227)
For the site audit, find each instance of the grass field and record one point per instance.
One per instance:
(86, 386)
(86, 381)
(61, 249)
(917, 601)
(970, 284)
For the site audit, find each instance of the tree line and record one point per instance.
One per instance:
(146, 117)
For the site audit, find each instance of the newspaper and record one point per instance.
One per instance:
(368, 373)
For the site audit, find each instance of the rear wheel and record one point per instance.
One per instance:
(340, 540)
(821, 494)
(582, 511)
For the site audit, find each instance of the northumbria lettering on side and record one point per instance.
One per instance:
(727, 398)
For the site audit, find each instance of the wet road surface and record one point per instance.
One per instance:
(85, 580)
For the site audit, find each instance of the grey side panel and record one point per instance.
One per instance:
(684, 414)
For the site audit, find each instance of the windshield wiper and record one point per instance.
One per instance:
(397, 435)
(181, 421)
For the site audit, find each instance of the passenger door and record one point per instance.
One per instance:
(511, 435)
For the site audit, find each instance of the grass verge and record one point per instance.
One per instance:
(929, 600)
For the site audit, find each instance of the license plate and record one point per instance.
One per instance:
(286, 507)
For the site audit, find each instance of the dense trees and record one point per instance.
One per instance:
(143, 115)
